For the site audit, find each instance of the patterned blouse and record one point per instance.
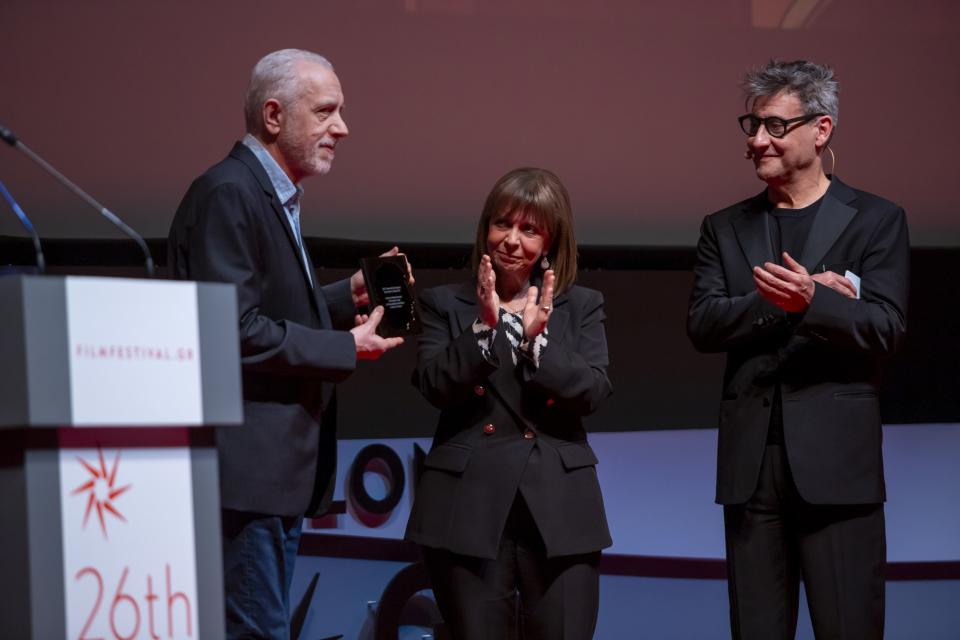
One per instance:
(512, 324)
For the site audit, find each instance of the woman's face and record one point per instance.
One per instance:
(515, 243)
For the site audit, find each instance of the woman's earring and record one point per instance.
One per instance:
(544, 263)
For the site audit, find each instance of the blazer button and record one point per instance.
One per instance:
(479, 390)
(489, 428)
(529, 435)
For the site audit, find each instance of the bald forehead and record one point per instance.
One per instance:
(315, 69)
(317, 79)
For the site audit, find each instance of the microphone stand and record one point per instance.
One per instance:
(7, 136)
(25, 221)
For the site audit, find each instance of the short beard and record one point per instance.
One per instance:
(305, 157)
(319, 167)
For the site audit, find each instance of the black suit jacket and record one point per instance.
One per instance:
(231, 227)
(472, 474)
(827, 359)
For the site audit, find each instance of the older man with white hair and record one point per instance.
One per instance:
(240, 223)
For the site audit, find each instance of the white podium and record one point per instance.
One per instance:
(109, 389)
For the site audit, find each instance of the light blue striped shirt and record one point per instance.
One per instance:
(288, 193)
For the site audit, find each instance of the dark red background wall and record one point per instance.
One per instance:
(632, 103)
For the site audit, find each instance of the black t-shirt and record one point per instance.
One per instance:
(789, 229)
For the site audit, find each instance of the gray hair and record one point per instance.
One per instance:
(813, 84)
(275, 76)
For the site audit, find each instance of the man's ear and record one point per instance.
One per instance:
(824, 131)
(272, 114)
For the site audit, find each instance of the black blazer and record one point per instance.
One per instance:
(231, 227)
(828, 359)
(481, 456)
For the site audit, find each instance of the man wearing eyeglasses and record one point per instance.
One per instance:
(804, 286)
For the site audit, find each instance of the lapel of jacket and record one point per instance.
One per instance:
(833, 216)
(319, 300)
(505, 382)
(559, 320)
(752, 227)
(467, 314)
(244, 155)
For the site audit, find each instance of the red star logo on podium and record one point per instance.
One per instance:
(103, 490)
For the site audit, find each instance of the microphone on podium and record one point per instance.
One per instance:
(7, 136)
(25, 221)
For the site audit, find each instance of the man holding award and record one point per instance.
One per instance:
(239, 223)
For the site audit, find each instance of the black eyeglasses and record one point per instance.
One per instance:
(776, 127)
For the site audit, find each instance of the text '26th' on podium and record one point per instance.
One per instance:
(109, 392)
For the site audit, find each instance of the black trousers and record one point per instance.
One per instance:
(520, 594)
(776, 538)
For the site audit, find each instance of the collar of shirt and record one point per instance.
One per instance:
(288, 192)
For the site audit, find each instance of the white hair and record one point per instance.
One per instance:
(275, 76)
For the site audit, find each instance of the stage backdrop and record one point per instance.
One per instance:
(633, 104)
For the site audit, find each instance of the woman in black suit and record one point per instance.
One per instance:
(508, 506)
